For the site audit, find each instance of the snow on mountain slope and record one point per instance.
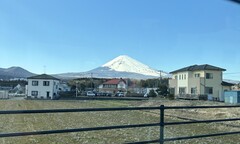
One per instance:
(120, 67)
(125, 63)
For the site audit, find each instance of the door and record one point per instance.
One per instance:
(48, 95)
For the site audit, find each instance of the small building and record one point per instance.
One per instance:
(113, 86)
(232, 97)
(42, 87)
(226, 86)
(235, 84)
(4, 94)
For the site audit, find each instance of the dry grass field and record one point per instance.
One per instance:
(37, 122)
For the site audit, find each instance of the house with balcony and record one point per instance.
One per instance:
(113, 86)
(42, 87)
(197, 80)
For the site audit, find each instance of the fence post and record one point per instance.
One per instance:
(161, 124)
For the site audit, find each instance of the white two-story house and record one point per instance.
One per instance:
(42, 86)
(197, 80)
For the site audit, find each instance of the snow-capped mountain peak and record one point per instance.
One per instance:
(125, 63)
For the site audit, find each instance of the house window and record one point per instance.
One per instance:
(179, 77)
(45, 83)
(209, 76)
(209, 90)
(185, 76)
(176, 77)
(34, 83)
(172, 91)
(34, 93)
(194, 90)
(197, 75)
(113, 86)
(182, 90)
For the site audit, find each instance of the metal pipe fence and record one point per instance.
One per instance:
(161, 124)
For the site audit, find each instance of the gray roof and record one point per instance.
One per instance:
(199, 67)
(224, 83)
(43, 76)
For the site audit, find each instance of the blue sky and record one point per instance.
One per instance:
(79, 35)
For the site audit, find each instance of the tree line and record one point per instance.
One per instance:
(83, 84)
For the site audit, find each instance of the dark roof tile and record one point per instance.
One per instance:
(43, 76)
(199, 67)
(114, 81)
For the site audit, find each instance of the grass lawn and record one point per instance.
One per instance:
(37, 122)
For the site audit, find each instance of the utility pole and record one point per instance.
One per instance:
(76, 88)
(160, 77)
(92, 81)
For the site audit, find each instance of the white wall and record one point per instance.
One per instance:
(182, 81)
(215, 83)
(122, 85)
(42, 90)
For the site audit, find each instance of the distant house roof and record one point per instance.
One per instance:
(114, 81)
(43, 76)
(227, 84)
(5, 88)
(199, 67)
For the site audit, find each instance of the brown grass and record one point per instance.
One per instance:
(36, 122)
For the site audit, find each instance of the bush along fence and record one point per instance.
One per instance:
(161, 124)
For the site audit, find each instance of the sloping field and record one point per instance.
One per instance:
(37, 122)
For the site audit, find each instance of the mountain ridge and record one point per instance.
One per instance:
(124, 63)
(122, 66)
(14, 72)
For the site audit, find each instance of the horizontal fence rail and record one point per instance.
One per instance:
(77, 110)
(200, 107)
(77, 130)
(161, 122)
(200, 121)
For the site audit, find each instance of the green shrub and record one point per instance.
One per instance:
(152, 93)
(171, 97)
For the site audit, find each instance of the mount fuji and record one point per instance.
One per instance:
(121, 67)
